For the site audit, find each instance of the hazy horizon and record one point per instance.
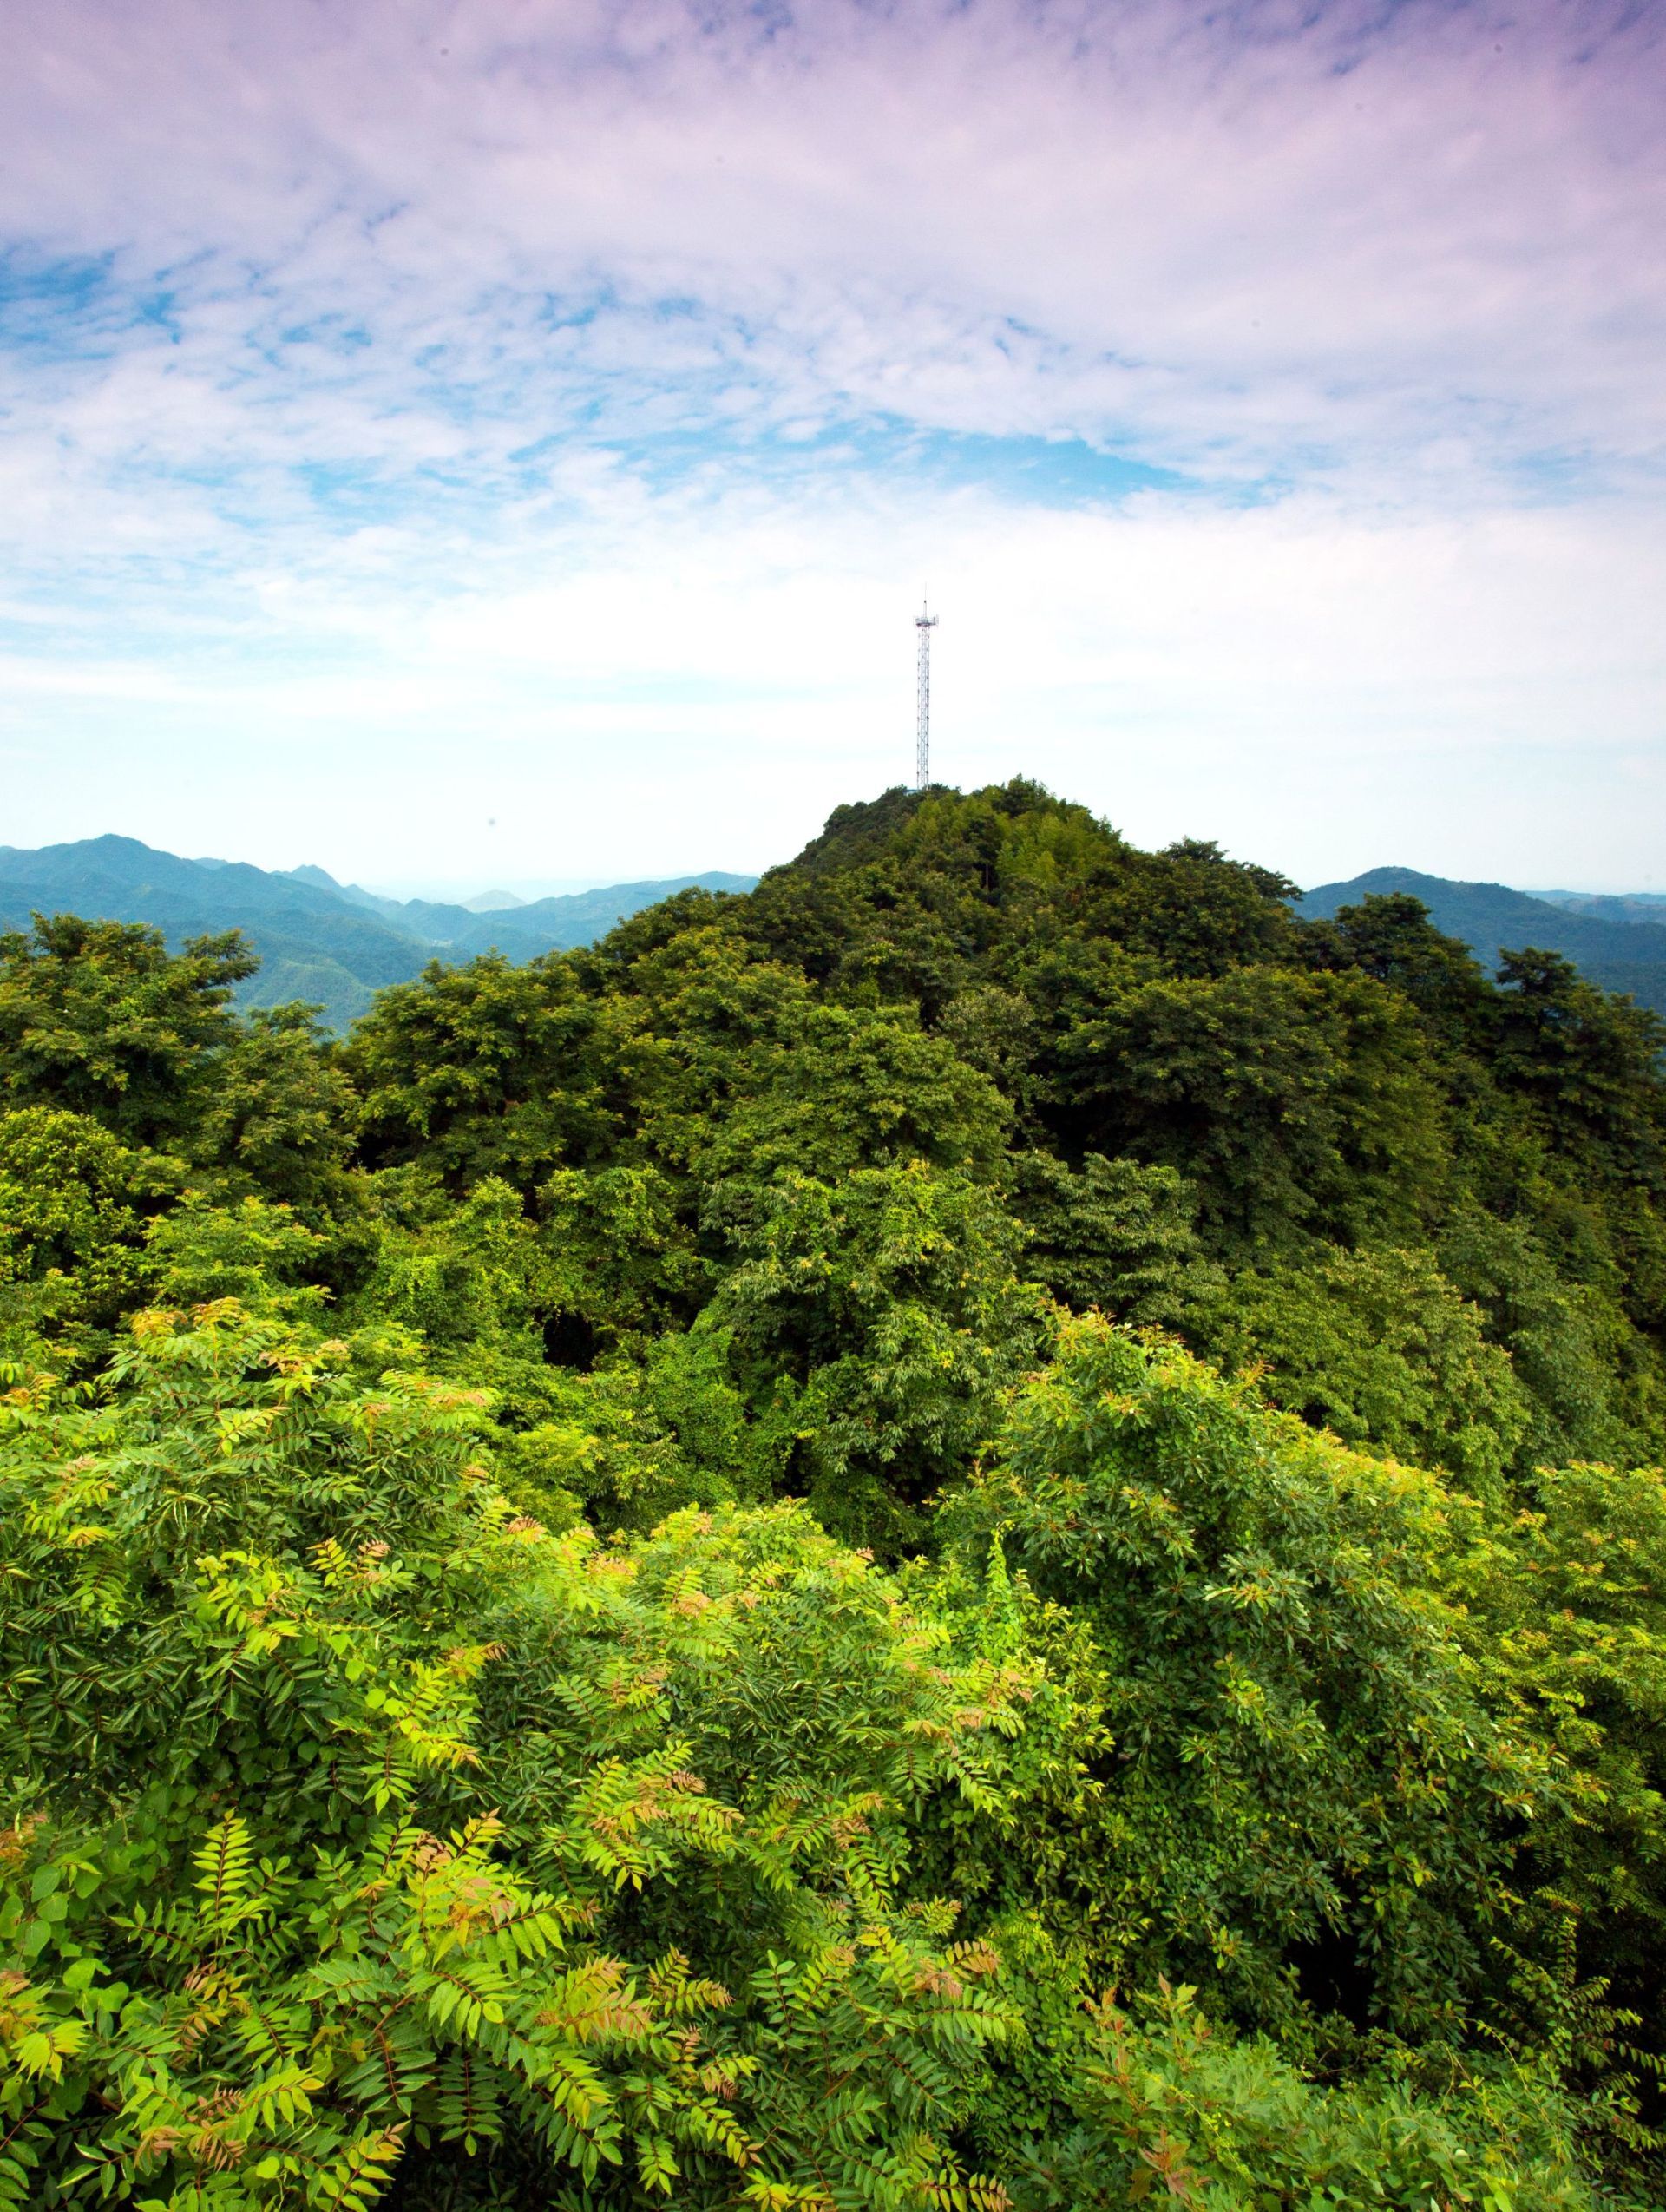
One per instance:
(458, 891)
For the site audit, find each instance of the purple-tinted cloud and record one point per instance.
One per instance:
(1237, 241)
(348, 327)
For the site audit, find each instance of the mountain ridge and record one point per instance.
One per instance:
(1625, 954)
(335, 945)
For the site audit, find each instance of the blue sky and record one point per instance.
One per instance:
(507, 442)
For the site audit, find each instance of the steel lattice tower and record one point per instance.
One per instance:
(924, 625)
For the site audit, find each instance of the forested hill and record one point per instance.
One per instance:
(981, 1530)
(1620, 943)
(332, 944)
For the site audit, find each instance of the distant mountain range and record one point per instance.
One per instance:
(337, 944)
(333, 943)
(1619, 942)
(1629, 906)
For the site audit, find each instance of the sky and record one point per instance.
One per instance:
(469, 445)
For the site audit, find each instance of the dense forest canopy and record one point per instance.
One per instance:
(981, 1529)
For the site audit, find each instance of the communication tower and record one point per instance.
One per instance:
(924, 625)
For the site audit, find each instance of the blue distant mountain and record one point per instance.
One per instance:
(1619, 943)
(337, 944)
(332, 943)
(1608, 906)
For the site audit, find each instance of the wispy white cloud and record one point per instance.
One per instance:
(577, 375)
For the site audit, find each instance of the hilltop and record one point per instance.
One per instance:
(751, 1515)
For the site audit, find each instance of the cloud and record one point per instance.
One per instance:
(384, 370)
(1476, 694)
(1246, 241)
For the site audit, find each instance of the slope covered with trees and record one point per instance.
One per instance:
(1619, 943)
(331, 944)
(984, 1529)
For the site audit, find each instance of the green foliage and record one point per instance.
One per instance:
(1391, 938)
(98, 1018)
(1117, 1235)
(1585, 1369)
(1588, 1065)
(279, 1115)
(620, 1258)
(357, 1820)
(1307, 1785)
(473, 1274)
(1294, 1101)
(1380, 1348)
(636, 1437)
(456, 1761)
(472, 1069)
(1203, 915)
(846, 1088)
(73, 1207)
(1569, 1596)
(880, 1316)
(253, 1251)
(1164, 2105)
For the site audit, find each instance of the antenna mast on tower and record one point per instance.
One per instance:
(924, 625)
